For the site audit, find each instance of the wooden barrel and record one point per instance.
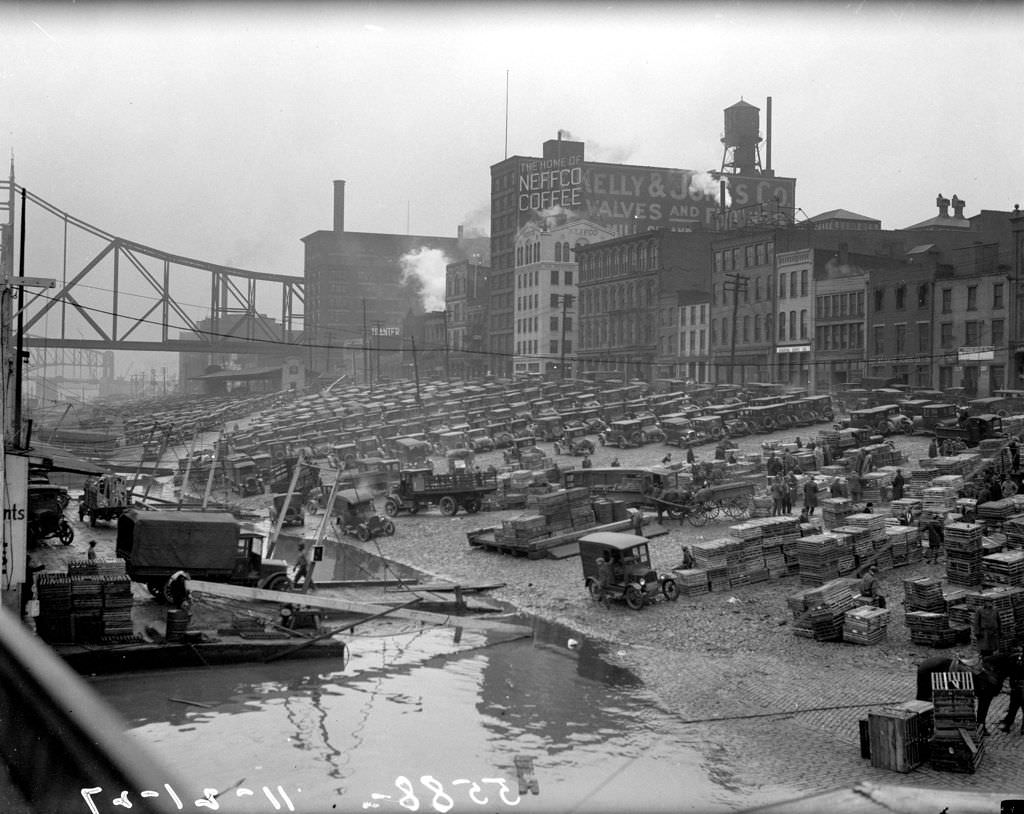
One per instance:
(177, 624)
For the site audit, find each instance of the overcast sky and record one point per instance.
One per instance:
(215, 130)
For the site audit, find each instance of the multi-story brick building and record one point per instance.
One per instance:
(546, 294)
(466, 303)
(683, 323)
(622, 281)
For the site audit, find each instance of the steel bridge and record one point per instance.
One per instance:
(118, 294)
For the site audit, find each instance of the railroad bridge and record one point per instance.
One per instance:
(117, 294)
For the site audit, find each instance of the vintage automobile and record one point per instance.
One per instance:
(293, 513)
(524, 453)
(932, 415)
(46, 504)
(547, 427)
(104, 497)
(575, 442)
(708, 427)
(411, 451)
(996, 405)
(625, 433)
(453, 439)
(631, 577)
(678, 431)
(764, 418)
(885, 419)
(357, 515)
(970, 431)
(479, 440)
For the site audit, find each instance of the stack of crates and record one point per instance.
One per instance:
(898, 735)
(958, 741)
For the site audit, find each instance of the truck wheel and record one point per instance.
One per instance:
(156, 590)
(389, 528)
(391, 507)
(362, 533)
(670, 589)
(472, 505)
(448, 505)
(279, 582)
(637, 439)
(634, 597)
(65, 533)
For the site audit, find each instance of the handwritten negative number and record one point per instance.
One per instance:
(442, 802)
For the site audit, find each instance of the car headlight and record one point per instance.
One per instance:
(642, 582)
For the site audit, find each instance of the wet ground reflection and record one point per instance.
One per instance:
(415, 718)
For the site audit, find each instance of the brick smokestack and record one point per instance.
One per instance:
(339, 206)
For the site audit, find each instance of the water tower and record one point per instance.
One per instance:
(742, 155)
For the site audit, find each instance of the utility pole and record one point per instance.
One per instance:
(447, 360)
(567, 302)
(366, 351)
(416, 370)
(376, 331)
(734, 284)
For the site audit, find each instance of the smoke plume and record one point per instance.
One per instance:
(707, 184)
(425, 269)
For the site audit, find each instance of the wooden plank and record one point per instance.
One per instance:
(338, 604)
(447, 587)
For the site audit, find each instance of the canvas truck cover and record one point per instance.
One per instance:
(202, 541)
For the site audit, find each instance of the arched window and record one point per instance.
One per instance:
(792, 285)
(792, 323)
(519, 255)
(782, 286)
(782, 325)
(558, 252)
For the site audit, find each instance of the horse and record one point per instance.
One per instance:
(989, 674)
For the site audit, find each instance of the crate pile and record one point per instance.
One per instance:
(964, 551)
(958, 741)
(930, 629)
(905, 544)
(692, 582)
(818, 556)
(924, 594)
(997, 511)
(954, 482)
(865, 625)
(564, 509)
(711, 556)
(1013, 528)
(874, 484)
(917, 481)
(1003, 568)
(903, 506)
(898, 735)
(1008, 604)
(819, 613)
(522, 530)
(834, 511)
(938, 500)
(90, 603)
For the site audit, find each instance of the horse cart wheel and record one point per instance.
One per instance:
(634, 597)
(698, 517)
(448, 505)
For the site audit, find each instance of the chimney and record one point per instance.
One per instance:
(958, 207)
(339, 206)
(943, 204)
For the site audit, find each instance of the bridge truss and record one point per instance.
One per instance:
(118, 294)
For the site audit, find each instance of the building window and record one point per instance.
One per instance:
(554, 301)
(879, 339)
(554, 323)
(554, 273)
(901, 339)
(553, 346)
(792, 325)
(972, 333)
(946, 335)
(792, 284)
(901, 297)
(757, 327)
(879, 298)
(997, 333)
(558, 252)
(972, 298)
(782, 325)
(803, 283)
(997, 296)
(922, 295)
(947, 300)
(568, 346)
(803, 323)
(782, 286)
(997, 377)
(746, 328)
(567, 278)
(924, 337)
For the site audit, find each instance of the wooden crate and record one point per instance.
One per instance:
(959, 753)
(898, 736)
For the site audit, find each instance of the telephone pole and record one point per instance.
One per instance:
(734, 284)
(567, 301)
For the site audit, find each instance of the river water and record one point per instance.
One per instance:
(427, 720)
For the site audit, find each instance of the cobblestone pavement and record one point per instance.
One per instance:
(726, 665)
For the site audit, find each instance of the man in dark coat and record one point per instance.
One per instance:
(1014, 454)
(1016, 692)
(897, 485)
(987, 630)
(810, 496)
